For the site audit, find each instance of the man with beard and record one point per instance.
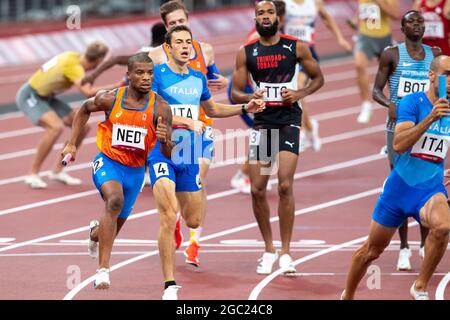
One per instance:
(406, 67)
(270, 61)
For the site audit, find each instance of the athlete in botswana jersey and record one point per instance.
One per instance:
(270, 61)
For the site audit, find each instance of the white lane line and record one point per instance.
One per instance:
(333, 167)
(262, 284)
(72, 293)
(440, 290)
(6, 240)
(32, 130)
(48, 202)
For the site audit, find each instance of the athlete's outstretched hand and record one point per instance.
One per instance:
(69, 148)
(255, 105)
(217, 84)
(161, 131)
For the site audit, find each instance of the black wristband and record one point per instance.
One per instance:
(243, 110)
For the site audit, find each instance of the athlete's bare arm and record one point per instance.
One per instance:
(101, 102)
(221, 110)
(240, 76)
(408, 133)
(390, 8)
(120, 60)
(447, 9)
(388, 64)
(311, 68)
(213, 84)
(158, 55)
(329, 22)
(163, 126)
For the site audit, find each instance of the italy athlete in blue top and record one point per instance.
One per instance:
(176, 182)
(414, 188)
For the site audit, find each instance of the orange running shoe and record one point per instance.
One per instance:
(178, 233)
(191, 254)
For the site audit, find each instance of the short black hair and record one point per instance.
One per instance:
(138, 57)
(407, 13)
(168, 37)
(158, 33)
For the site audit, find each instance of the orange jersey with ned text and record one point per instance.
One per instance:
(127, 135)
(197, 63)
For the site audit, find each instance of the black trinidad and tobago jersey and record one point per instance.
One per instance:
(273, 68)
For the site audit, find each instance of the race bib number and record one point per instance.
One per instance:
(434, 29)
(431, 147)
(369, 11)
(128, 138)
(304, 33)
(209, 135)
(185, 111)
(255, 137)
(160, 169)
(272, 92)
(97, 165)
(407, 86)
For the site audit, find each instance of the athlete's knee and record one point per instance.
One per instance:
(285, 188)
(368, 253)
(114, 203)
(441, 230)
(55, 129)
(167, 219)
(193, 221)
(258, 192)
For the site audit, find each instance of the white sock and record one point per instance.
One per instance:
(195, 235)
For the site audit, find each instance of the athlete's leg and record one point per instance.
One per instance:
(286, 206)
(379, 238)
(94, 232)
(435, 215)
(112, 193)
(204, 164)
(166, 202)
(259, 179)
(53, 126)
(362, 80)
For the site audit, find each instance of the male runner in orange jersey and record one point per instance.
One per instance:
(135, 118)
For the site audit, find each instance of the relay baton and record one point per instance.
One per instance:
(65, 161)
(442, 86)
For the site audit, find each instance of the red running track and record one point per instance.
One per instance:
(335, 191)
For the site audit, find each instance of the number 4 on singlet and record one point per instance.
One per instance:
(160, 169)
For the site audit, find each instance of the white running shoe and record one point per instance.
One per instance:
(422, 252)
(35, 182)
(93, 245)
(64, 178)
(241, 182)
(266, 262)
(171, 293)
(102, 279)
(366, 112)
(403, 263)
(314, 136)
(286, 264)
(418, 295)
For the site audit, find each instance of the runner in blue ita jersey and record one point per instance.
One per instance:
(406, 67)
(414, 188)
(176, 181)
